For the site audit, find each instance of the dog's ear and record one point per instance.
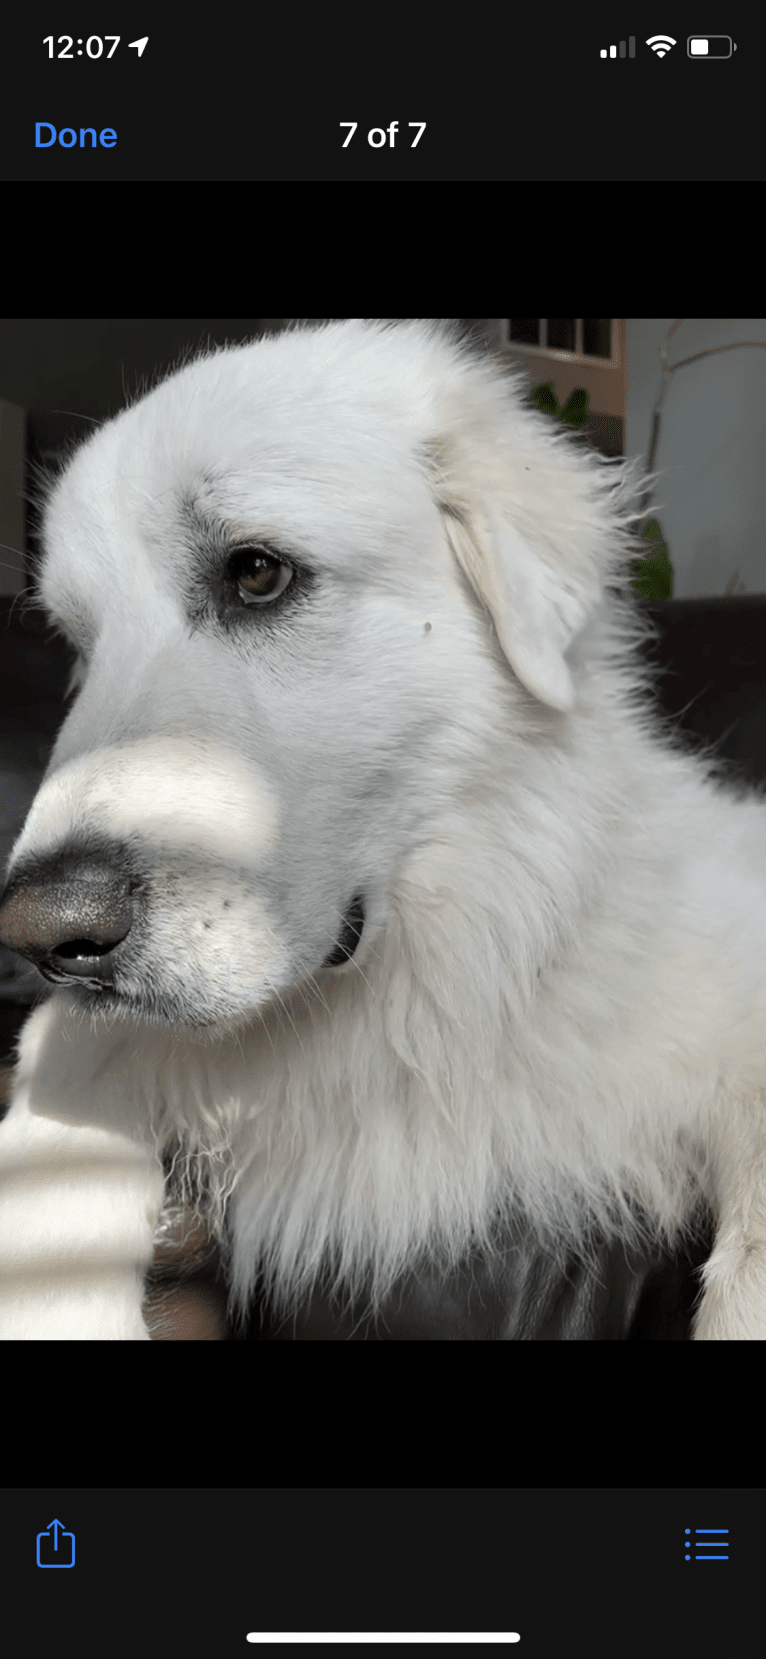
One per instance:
(536, 611)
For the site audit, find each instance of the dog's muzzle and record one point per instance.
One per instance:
(70, 917)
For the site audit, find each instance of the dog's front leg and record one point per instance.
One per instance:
(734, 1301)
(734, 1279)
(79, 1198)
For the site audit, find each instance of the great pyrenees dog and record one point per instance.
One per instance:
(370, 888)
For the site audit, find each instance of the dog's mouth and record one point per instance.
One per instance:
(77, 964)
(350, 934)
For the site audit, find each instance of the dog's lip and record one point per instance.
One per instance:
(350, 934)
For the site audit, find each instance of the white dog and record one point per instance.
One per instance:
(361, 870)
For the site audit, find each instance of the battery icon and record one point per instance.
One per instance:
(710, 46)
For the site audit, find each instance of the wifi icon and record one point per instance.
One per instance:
(660, 44)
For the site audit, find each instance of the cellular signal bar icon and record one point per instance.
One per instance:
(612, 52)
(706, 1543)
(660, 44)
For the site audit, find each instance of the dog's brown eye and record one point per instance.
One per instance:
(260, 576)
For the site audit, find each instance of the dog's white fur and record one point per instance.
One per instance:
(558, 999)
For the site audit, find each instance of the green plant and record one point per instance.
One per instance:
(651, 573)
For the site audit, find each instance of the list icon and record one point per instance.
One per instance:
(706, 1544)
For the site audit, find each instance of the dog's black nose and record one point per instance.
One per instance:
(68, 916)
